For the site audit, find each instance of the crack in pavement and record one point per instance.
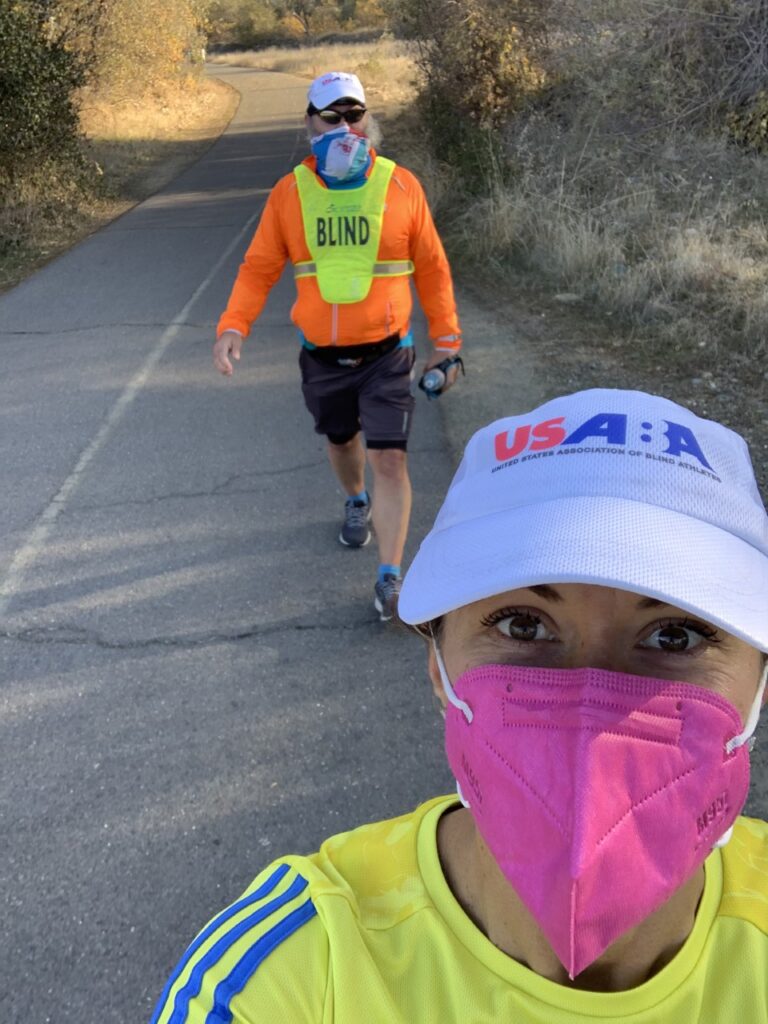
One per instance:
(214, 492)
(79, 636)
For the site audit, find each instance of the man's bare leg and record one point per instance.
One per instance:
(391, 502)
(348, 463)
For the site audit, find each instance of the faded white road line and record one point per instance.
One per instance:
(38, 535)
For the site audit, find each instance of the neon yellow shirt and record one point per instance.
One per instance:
(366, 931)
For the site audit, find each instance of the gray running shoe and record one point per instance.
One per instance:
(354, 529)
(387, 591)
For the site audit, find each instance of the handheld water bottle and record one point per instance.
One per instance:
(433, 381)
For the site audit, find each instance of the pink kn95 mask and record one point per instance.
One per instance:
(597, 793)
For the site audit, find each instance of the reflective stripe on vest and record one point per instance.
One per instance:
(342, 228)
(393, 268)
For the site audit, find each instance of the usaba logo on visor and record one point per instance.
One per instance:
(615, 488)
(605, 433)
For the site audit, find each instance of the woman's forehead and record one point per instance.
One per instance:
(578, 594)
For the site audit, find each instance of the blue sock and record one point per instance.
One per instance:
(390, 570)
(362, 496)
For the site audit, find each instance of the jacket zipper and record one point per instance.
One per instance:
(334, 324)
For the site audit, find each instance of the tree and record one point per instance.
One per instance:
(310, 15)
(301, 11)
(244, 22)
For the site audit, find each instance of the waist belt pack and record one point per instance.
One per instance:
(354, 355)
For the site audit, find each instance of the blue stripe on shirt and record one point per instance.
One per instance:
(219, 949)
(217, 922)
(238, 977)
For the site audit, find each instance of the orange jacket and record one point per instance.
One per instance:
(408, 232)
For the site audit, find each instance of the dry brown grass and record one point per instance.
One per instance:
(135, 148)
(621, 187)
(387, 68)
(141, 144)
(673, 249)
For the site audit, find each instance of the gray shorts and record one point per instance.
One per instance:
(375, 397)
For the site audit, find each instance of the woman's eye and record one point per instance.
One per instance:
(523, 626)
(679, 636)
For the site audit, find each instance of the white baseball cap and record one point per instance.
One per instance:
(617, 488)
(334, 86)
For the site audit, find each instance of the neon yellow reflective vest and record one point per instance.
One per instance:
(342, 228)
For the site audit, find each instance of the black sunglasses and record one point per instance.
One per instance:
(336, 117)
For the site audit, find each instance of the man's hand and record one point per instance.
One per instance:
(228, 344)
(437, 357)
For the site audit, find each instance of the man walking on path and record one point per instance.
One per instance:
(355, 226)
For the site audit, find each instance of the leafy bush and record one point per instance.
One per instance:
(38, 78)
(258, 24)
(246, 23)
(480, 60)
(749, 124)
(143, 43)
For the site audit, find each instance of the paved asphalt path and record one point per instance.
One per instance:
(192, 676)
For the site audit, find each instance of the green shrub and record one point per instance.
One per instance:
(749, 125)
(38, 79)
(480, 63)
(243, 23)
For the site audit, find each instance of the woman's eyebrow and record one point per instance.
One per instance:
(650, 602)
(545, 591)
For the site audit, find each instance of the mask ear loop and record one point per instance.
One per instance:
(745, 736)
(752, 718)
(450, 693)
(452, 696)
